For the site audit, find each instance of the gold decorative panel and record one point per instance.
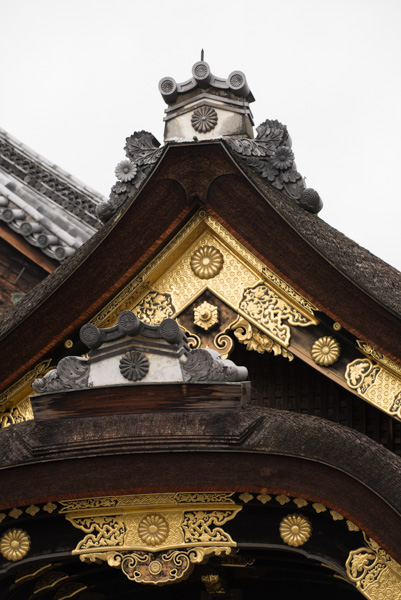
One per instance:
(204, 256)
(376, 575)
(375, 384)
(153, 538)
(379, 357)
(14, 402)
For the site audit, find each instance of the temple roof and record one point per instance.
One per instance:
(338, 276)
(42, 203)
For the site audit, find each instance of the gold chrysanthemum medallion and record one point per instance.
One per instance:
(295, 530)
(14, 544)
(326, 351)
(153, 530)
(207, 262)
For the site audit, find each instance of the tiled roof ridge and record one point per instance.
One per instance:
(70, 179)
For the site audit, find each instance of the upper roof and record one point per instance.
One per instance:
(344, 281)
(44, 204)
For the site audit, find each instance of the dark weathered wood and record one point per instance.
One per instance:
(19, 273)
(143, 398)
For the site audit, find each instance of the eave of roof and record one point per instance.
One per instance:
(297, 245)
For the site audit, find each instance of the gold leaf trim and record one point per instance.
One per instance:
(245, 497)
(26, 380)
(300, 502)
(263, 498)
(376, 385)
(282, 500)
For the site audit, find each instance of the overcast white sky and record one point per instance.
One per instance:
(79, 76)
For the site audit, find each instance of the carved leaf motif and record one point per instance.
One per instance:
(143, 148)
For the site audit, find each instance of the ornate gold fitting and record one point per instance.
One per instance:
(206, 315)
(14, 544)
(295, 530)
(326, 351)
(154, 538)
(207, 262)
(375, 574)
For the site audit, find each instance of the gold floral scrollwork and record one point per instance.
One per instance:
(161, 568)
(206, 315)
(224, 344)
(376, 385)
(153, 546)
(14, 544)
(154, 308)
(269, 311)
(20, 413)
(376, 574)
(326, 351)
(391, 365)
(256, 340)
(295, 530)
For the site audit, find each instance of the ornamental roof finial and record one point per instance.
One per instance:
(206, 106)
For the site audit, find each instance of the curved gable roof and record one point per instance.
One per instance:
(343, 280)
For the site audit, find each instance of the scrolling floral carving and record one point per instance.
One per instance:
(255, 340)
(376, 575)
(154, 308)
(184, 528)
(376, 385)
(267, 308)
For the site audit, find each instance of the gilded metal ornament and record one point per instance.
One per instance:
(193, 340)
(175, 279)
(154, 308)
(207, 262)
(153, 530)
(263, 498)
(15, 513)
(375, 574)
(125, 531)
(269, 310)
(326, 351)
(14, 544)
(376, 385)
(256, 340)
(379, 357)
(282, 499)
(206, 315)
(20, 413)
(295, 530)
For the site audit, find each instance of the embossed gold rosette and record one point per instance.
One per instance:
(207, 262)
(14, 544)
(295, 530)
(153, 530)
(326, 351)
